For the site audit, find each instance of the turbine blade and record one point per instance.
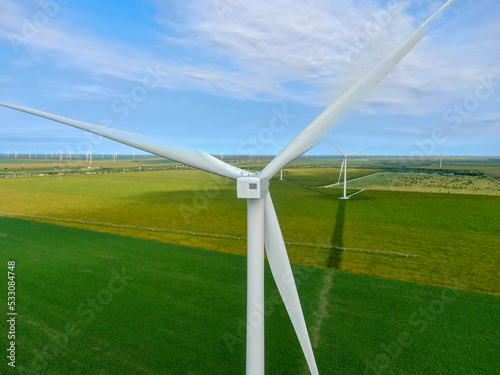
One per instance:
(341, 170)
(193, 158)
(338, 149)
(336, 112)
(359, 152)
(275, 145)
(282, 273)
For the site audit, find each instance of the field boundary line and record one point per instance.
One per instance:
(218, 235)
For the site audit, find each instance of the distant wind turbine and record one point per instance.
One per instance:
(344, 165)
(440, 157)
(263, 229)
(281, 170)
(29, 153)
(115, 155)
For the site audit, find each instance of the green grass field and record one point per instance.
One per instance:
(179, 310)
(454, 236)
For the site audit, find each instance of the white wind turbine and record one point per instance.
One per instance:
(60, 155)
(281, 170)
(133, 154)
(344, 165)
(115, 155)
(69, 153)
(29, 153)
(262, 223)
(440, 157)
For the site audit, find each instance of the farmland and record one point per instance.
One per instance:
(430, 182)
(163, 313)
(450, 235)
(147, 257)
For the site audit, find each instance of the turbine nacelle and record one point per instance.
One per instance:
(252, 187)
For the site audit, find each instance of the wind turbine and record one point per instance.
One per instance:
(35, 154)
(90, 156)
(133, 154)
(69, 153)
(222, 155)
(115, 155)
(29, 153)
(344, 165)
(440, 157)
(15, 155)
(60, 155)
(281, 170)
(262, 223)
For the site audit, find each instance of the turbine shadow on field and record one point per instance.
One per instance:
(335, 257)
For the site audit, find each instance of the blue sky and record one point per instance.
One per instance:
(233, 75)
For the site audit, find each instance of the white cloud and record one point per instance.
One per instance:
(281, 49)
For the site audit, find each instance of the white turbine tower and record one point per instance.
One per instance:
(115, 155)
(35, 154)
(60, 155)
(133, 154)
(440, 157)
(281, 170)
(262, 223)
(29, 153)
(90, 156)
(15, 154)
(344, 165)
